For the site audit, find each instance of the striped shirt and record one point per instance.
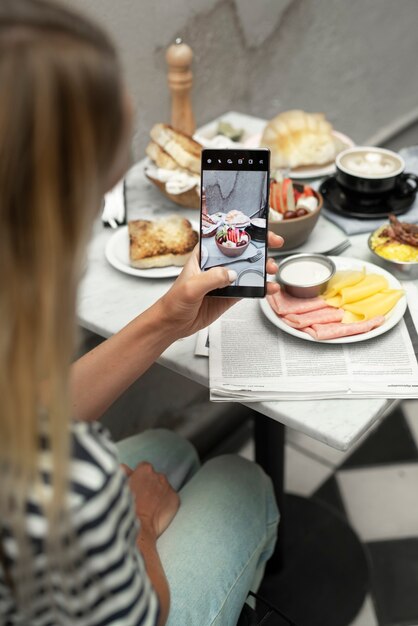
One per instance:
(110, 576)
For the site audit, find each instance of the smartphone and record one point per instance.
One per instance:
(234, 217)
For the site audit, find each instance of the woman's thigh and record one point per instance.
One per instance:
(167, 452)
(219, 541)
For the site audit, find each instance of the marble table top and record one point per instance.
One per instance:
(109, 299)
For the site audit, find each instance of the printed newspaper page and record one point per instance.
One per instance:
(252, 360)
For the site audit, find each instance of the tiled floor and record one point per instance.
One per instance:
(376, 488)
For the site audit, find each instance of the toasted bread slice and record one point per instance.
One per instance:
(160, 157)
(182, 148)
(164, 242)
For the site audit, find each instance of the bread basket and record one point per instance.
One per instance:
(189, 199)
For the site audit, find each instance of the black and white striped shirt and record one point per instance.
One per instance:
(110, 570)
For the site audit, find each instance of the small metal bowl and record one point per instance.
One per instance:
(404, 270)
(310, 289)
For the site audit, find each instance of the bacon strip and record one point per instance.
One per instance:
(323, 332)
(283, 304)
(321, 316)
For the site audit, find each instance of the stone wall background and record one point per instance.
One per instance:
(355, 60)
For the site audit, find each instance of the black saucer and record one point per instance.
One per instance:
(366, 207)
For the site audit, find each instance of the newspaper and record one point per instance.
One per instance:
(251, 360)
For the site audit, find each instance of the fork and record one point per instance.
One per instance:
(340, 248)
(276, 254)
(252, 259)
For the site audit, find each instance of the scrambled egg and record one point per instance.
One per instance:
(388, 249)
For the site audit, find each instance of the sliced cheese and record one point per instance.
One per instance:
(342, 279)
(376, 304)
(368, 286)
(351, 318)
(335, 301)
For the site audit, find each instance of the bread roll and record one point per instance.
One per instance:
(297, 138)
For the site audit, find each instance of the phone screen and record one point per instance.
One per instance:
(234, 217)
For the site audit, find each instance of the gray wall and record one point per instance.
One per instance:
(228, 190)
(355, 60)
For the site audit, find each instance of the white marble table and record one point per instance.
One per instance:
(109, 299)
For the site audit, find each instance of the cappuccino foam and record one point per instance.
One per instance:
(371, 164)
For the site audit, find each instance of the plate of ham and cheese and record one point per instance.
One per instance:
(361, 301)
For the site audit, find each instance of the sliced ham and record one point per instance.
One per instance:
(283, 304)
(321, 316)
(323, 332)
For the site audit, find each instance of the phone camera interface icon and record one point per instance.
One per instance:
(229, 161)
(261, 161)
(209, 161)
(250, 161)
(240, 161)
(219, 160)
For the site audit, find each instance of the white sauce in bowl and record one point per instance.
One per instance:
(304, 273)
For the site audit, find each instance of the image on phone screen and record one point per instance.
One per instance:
(234, 217)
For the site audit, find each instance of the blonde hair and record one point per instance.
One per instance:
(61, 122)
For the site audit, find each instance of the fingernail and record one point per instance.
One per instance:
(275, 266)
(232, 276)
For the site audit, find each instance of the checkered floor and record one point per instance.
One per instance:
(376, 488)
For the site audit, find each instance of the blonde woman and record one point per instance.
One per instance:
(82, 541)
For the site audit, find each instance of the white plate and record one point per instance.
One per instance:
(345, 263)
(307, 171)
(117, 253)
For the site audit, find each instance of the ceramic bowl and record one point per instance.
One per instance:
(311, 288)
(297, 230)
(189, 199)
(233, 252)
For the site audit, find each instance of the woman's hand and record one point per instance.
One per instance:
(185, 306)
(102, 375)
(156, 501)
(156, 505)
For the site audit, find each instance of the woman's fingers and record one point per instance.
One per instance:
(125, 468)
(216, 278)
(200, 283)
(272, 288)
(274, 241)
(272, 266)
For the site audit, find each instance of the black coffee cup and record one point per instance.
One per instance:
(374, 171)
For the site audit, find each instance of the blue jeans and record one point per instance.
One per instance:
(216, 548)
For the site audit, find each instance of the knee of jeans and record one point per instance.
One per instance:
(233, 464)
(184, 449)
(251, 476)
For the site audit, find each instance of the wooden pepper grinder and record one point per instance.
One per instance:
(180, 78)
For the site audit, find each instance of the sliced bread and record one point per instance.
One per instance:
(182, 148)
(160, 157)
